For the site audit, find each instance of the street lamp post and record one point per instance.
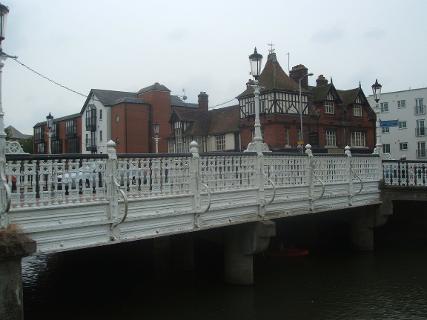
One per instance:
(301, 134)
(3, 183)
(156, 131)
(376, 90)
(49, 122)
(257, 144)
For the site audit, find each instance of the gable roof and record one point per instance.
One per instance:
(273, 77)
(154, 87)
(224, 120)
(320, 93)
(349, 96)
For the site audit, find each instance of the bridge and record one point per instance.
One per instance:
(69, 202)
(76, 201)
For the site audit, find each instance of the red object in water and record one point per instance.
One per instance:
(290, 252)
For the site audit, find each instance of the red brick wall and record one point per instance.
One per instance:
(131, 133)
(161, 111)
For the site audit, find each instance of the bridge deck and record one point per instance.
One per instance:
(72, 202)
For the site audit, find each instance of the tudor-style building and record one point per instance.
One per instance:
(332, 118)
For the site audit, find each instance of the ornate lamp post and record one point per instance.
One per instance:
(376, 90)
(301, 134)
(3, 183)
(156, 131)
(257, 144)
(49, 122)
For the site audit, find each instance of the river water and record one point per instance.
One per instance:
(118, 283)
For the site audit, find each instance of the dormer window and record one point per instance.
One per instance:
(357, 110)
(329, 107)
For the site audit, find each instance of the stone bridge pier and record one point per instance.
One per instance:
(241, 243)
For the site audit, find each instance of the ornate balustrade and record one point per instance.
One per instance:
(405, 173)
(44, 180)
(73, 201)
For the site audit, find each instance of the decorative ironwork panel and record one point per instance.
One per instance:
(366, 167)
(228, 172)
(331, 169)
(286, 170)
(405, 173)
(163, 176)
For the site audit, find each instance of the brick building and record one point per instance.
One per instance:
(332, 118)
(65, 138)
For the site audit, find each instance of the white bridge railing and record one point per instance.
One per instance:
(39, 181)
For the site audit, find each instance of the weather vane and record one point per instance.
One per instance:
(271, 50)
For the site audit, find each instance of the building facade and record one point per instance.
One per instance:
(331, 118)
(405, 111)
(65, 135)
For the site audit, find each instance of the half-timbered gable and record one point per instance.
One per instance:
(279, 93)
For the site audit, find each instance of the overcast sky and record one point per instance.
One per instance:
(201, 46)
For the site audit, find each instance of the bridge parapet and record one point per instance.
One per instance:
(405, 173)
(71, 201)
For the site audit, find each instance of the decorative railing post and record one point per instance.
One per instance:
(195, 181)
(310, 178)
(260, 181)
(349, 175)
(112, 195)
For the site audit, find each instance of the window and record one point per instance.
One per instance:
(420, 108)
(220, 142)
(358, 139)
(421, 150)
(386, 148)
(420, 128)
(385, 130)
(331, 138)
(100, 135)
(384, 106)
(357, 110)
(87, 140)
(40, 148)
(329, 107)
(403, 146)
(91, 118)
(402, 125)
(401, 104)
(100, 114)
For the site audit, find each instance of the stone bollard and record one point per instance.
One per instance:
(13, 247)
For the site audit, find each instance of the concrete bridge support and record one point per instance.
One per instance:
(241, 243)
(13, 247)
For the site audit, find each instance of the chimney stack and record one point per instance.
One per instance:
(321, 81)
(297, 73)
(203, 101)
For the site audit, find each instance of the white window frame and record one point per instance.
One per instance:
(220, 142)
(331, 138)
(386, 148)
(329, 107)
(384, 107)
(401, 104)
(357, 110)
(403, 125)
(358, 139)
(403, 146)
(385, 130)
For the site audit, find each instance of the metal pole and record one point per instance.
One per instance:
(301, 135)
(3, 181)
(258, 133)
(378, 144)
(156, 139)
(49, 138)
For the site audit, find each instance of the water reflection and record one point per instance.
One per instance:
(119, 283)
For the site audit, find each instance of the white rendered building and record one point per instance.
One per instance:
(407, 139)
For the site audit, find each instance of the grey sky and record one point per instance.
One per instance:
(201, 46)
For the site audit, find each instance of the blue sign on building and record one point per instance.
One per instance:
(389, 123)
